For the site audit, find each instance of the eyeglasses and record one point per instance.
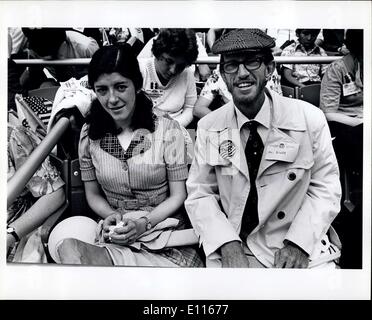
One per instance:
(233, 66)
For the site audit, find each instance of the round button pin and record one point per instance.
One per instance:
(227, 149)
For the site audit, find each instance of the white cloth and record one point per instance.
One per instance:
(72, 93)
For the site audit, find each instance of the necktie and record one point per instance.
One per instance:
(253, 154)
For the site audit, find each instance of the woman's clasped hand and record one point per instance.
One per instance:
(121, 230)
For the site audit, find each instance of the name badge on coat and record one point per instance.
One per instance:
(282, 151)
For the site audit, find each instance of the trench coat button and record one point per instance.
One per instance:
(291, 176)
(281, 215)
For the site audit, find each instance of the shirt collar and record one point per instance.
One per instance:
(262, 117)
(299, 46)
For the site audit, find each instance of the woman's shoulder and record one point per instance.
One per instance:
(337, 69)
(189, 73)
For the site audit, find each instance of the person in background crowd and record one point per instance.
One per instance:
(214, 33)
(14, 73)
(18, 41)
(283, 38)
(43, 195)
(133, 165)
(300, 75)
(201, 72)
(167, 80)
(333, 42)
(56, 43)
(264, 186)
(341, 99)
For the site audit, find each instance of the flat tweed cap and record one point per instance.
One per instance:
(243, 40)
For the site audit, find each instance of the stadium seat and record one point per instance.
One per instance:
(47, 93)
(310, 93)
(289, 92)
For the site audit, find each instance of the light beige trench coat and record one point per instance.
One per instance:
(299, 190)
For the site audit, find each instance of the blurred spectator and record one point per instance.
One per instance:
(14, 85)
(299, 75)
(136, 37)
(202, 72)
(333, 42)
(18, 41)
(118, 35)
(283, 37)
(167, 80)
(42, 196)
(16, 44)
(56, 43)
(94, 33)
(214, 33)
(341, 99)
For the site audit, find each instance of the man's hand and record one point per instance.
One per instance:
(291, 256)
(233, 255)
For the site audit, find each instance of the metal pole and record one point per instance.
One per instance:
(17, 183)
(75, 61)
(204, 60)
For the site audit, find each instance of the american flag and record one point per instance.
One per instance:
(41, 107)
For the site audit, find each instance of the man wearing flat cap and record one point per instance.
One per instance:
(263, 187)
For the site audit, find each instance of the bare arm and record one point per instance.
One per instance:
(185, 118)
(168, 207)
(211, 36)
(37, 214)
(201, 107)
(204, 72)
(96, 200)
(287, 74)
(342, 118)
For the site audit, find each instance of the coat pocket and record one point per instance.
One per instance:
(281, 166)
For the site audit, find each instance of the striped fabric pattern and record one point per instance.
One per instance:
(144, 175)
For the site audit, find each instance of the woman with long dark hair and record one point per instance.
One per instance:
(134, 168)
